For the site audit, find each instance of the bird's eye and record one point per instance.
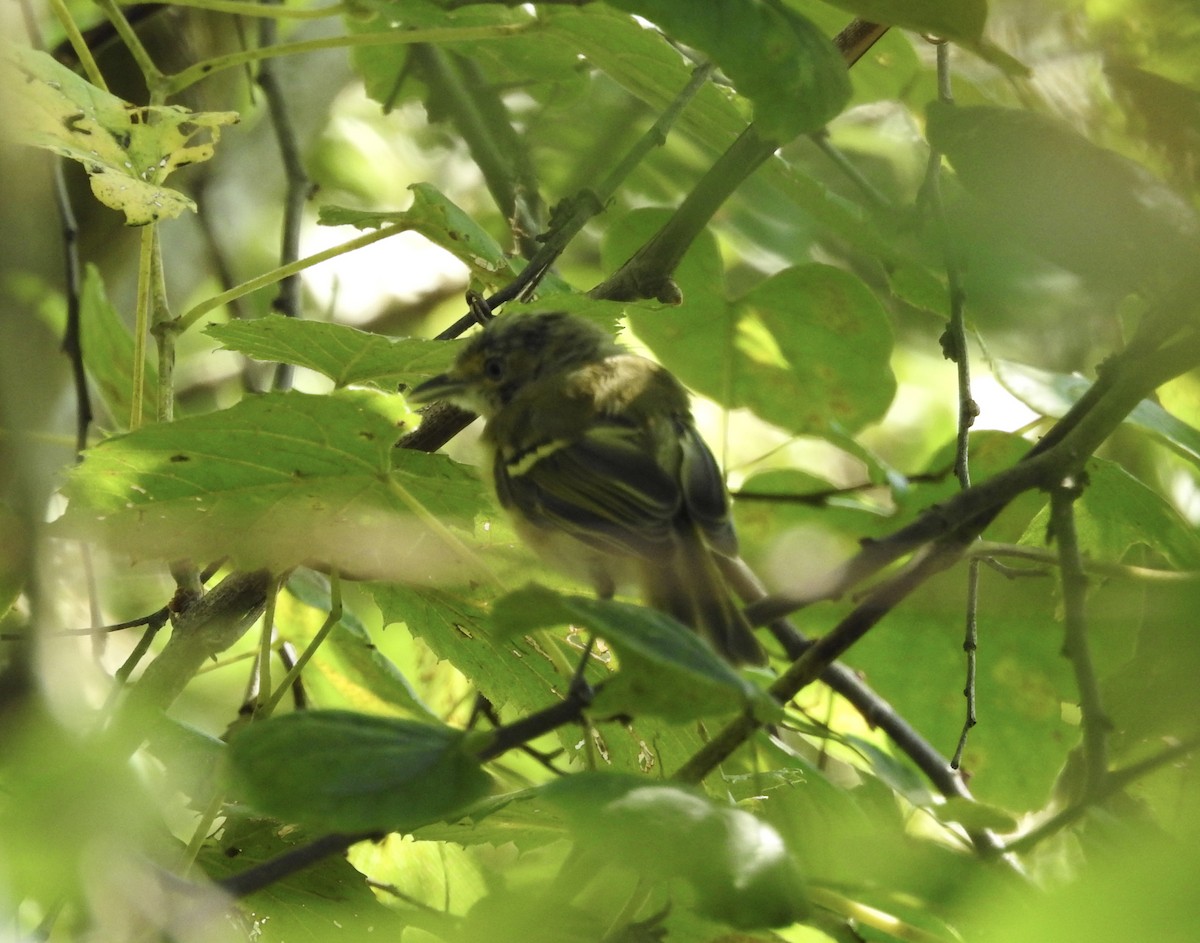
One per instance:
(493, 368)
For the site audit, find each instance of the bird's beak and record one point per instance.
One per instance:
(443, 386)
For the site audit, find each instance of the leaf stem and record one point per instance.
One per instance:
(202, 70)
(266, 279)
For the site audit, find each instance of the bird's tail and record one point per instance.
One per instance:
(690, 587)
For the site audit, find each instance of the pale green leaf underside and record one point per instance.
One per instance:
(276, 481)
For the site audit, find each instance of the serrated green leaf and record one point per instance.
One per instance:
(808, 349)
(127, 150)
(344, 354)
(738, 866)
(777, 58)
(274, 481)
(666, 669)
(440, 221)
(510, 672)
(350, 772)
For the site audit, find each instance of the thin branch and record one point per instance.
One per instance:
(954, 347)
(248, 8)
(1075, 644)
(293, 675)
(276, 869)
(822, 653)
(569, 217)
(1113, 783)
(647, 273)
(876, 711)
(287, 302)
(984, 550)
(1124, 381)
(457, 89)
(266, 279)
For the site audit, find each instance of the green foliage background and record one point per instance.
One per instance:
(777, 238)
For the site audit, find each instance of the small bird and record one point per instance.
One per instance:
(595, 455)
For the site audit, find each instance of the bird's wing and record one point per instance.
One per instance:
(606, 488)
(704, 492)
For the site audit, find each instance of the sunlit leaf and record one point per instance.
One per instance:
(344, 354)
(127, 150)
(441, 222)
(275, 481)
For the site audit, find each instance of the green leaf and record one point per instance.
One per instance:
(127, 150)
(456, 628)
(1083, 207)
(1052, 394)
(666, 669)
(738, 867)
(440, 221)
(777, 58)
(807, 349)
(274, 481)
(350, 772)
(344, 354)
(814, 348)
(1117, 512)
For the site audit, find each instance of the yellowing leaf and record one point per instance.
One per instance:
(127, 150)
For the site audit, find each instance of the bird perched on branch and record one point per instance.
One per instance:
(594, 454)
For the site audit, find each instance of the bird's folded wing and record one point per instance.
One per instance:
(605, 488)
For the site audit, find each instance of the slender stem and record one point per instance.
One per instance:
(266, 10)
(970, 647)
(202, 70)
(1114, 782)
(266, 643)
(288, 301)
(152, 75)
(141, 329)
(1075, 643)
(647, 274)
(985, 549)
(270, 278)
(79, 45)
(954, 346)
(164, 337)
(331, 621)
